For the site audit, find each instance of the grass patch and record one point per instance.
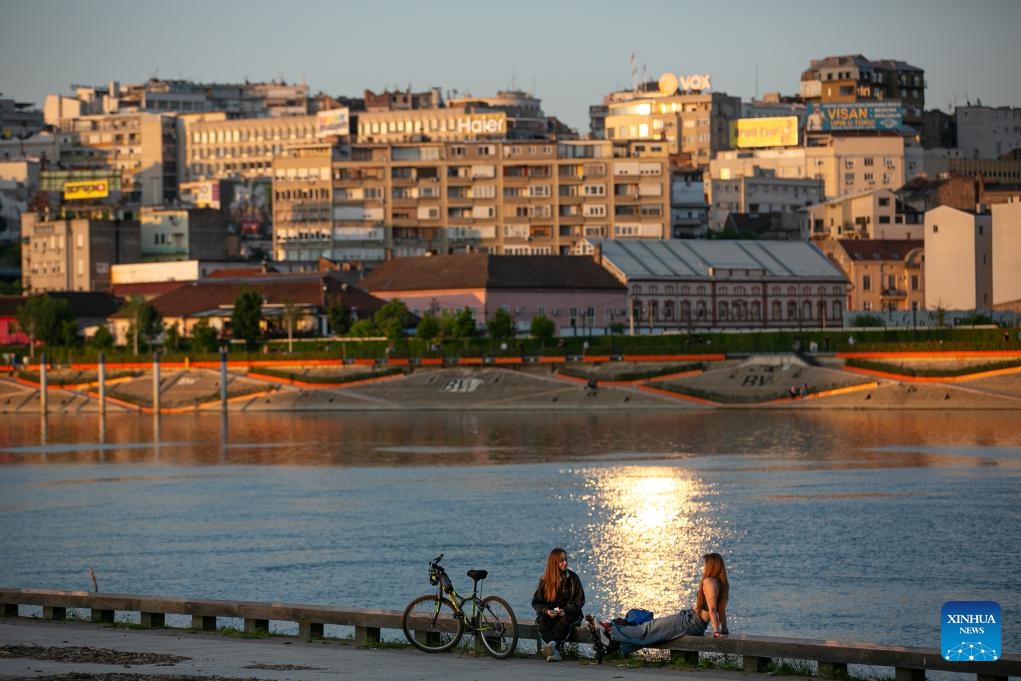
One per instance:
(931, 372)
(579, 372)
(344, 377)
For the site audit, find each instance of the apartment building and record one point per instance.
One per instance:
(884, 274)
(958, 259)
(74, 254)
(985, 132)
(845, 165)
(759, 193)
(693, 123)
(853, 78)
(183, 234)
(214, 146)
(140, 147)
(871, 215)
(369, 202)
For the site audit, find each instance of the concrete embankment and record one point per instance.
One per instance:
(767, 381)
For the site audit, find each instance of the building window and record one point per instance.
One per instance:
(866, 282)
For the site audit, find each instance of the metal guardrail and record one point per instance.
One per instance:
(831, 657)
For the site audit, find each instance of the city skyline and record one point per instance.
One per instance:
(568, 54)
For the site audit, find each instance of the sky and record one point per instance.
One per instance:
(568, 53)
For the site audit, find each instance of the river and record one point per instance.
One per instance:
(851, 525)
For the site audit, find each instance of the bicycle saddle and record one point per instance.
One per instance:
(478, 575)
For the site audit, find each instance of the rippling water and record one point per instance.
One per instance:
(847, 525)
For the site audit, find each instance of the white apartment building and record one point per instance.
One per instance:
(958, 260)
(215, 147)
(761, 193)
(987, 132)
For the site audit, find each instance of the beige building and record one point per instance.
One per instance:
(958, 260)
(694, 125)
(868, 215)
(365, 202)
(1006, 249)
(74, 254)
(885, 274)
(140, 147)
(853, 78)
(846, 165)
(984, 132)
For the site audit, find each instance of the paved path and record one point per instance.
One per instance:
(212, 655)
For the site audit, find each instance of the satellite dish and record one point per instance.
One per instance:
(668, 83)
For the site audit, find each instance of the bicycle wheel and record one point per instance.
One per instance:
(497, 627)
(429, 624)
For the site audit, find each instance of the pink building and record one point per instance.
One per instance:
(575, 292)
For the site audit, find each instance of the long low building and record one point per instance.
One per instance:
(687, 285)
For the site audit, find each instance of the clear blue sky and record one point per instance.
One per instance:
(568, 53)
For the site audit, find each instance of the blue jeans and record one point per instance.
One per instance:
(635, 636)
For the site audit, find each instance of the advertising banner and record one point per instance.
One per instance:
(333, 122)
(750, 133)
(86, 189)
(873, 116)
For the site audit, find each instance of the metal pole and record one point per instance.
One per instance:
(223, 379)
(43, 403)
(102, 398)
(156, 383)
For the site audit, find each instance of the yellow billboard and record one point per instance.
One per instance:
(86, 189)
(748, 133)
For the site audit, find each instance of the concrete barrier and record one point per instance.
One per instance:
(831, 657)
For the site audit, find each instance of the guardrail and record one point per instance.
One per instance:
(831, 657)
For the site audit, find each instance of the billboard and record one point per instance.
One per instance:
(751, 133)
(86, 189)
(871, 116)
(333, 122)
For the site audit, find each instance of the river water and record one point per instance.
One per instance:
(851, 525)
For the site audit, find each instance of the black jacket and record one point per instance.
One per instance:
(570, 597)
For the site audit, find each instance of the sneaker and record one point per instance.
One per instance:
(555, 656)
(547, 651)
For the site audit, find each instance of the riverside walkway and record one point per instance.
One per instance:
(176, 654)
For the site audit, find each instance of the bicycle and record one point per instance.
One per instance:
(435, 623)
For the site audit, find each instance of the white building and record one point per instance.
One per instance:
(985, 132)
(760, 193)
(958, 260)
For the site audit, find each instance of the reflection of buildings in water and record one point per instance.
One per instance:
(648, 538)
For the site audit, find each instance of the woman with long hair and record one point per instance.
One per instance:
(710, 609)
(558, 603)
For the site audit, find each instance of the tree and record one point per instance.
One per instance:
(543, 328)
(501, 326)
(428, 327)
(292, 314)
(458, 324)
(246, 318)
(363, 328)
(173, 339)
(392, 319)
(204, 337)
(340, 317)
(102, 339)
(45, 319)
(145, 321)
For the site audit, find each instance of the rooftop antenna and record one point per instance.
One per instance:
(634, 71)
(756, 81)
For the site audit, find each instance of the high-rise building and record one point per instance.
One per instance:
(853, 78)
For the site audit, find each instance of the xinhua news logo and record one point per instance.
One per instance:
(970, 631)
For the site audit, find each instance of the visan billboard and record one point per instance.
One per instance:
(871, 116)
